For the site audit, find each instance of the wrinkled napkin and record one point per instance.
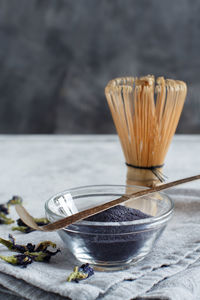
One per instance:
(170, 271)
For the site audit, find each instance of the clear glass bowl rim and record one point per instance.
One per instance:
(151, 220)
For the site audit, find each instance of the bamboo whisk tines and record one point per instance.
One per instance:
(146, 114)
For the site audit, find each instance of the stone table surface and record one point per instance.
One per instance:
(38, 166)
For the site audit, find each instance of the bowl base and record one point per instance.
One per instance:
(114, 265)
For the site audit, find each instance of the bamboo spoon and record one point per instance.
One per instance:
(28, 219)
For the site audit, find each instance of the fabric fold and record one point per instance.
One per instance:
(175, 259)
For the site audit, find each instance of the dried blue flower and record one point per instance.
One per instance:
(80, 273)
(26, 229)
(42, 256)
(18, 260)
(5, 220)
(11, 245)
(33, 252)
(2, 221)
(44, 245)
(39, 221)
(87, 269)
(76, 275)
(20, 248)
(4, 209)
(15, 200)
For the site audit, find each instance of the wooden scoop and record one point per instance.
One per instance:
(29, 220)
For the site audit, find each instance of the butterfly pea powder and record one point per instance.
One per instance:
(118, 213)
(110, 244)
(115, 245)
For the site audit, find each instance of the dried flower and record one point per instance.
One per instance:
(11, 245)
(26, 229)
(18, 260)
(39, 221)
(5, 220)
(15, 200)
(21, 248)
(87, 269)
(80, 273)
(4, 210)
(33, 252)
(42, 256)
(44, 245)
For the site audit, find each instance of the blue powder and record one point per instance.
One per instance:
(112, 244)
(118, 213)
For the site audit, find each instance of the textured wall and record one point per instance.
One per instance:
(56, 57)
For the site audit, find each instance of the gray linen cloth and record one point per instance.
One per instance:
(170, 271)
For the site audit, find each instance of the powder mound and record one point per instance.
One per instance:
(119, 213)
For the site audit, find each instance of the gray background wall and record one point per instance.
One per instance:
(56, 56)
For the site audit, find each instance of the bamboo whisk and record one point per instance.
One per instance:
(145, 115)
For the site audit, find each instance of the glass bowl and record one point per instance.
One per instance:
(113, 245)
